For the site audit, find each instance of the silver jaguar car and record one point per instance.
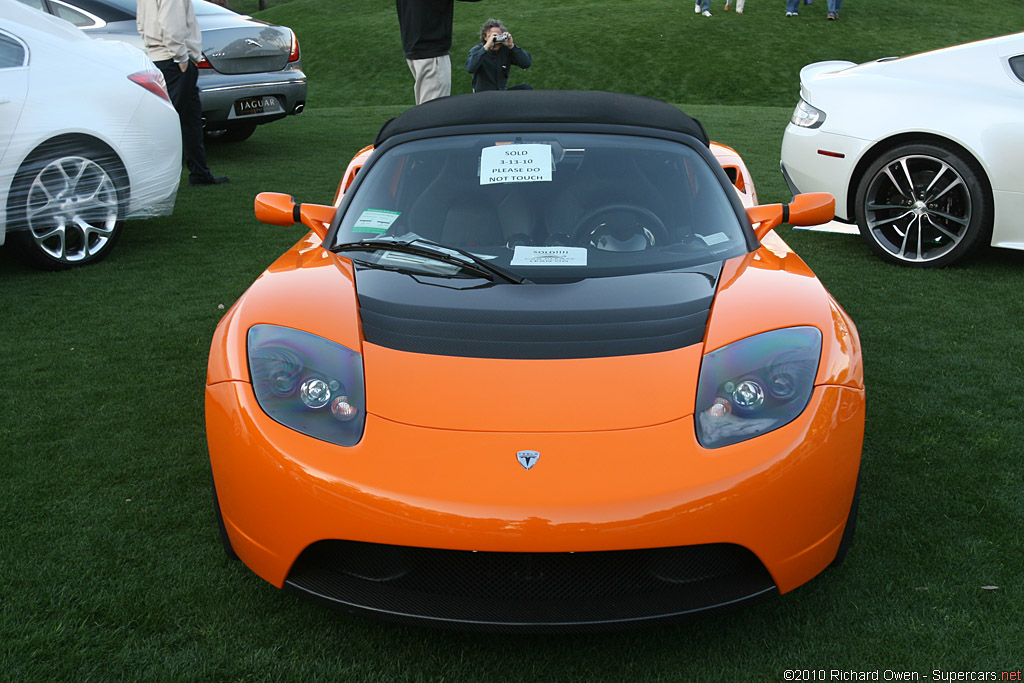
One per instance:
(251, 72)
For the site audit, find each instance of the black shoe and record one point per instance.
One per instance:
(208, 180)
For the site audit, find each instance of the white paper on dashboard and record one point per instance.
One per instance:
(549, 256)
(399, 260)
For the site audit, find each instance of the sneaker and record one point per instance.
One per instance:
(726, 7)
(706, 13)
(831, 16)
(792, 14)
(696, 8)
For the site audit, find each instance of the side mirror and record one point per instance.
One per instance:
(812, 208)
(274, 208)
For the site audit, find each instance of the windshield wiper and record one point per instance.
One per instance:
(418, 246)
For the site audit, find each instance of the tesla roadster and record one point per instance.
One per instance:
(542, 365)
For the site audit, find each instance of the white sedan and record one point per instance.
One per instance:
(88, 139)
(922, 152)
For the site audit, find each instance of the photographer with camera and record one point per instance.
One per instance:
(489, 60)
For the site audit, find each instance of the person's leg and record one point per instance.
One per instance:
(433, 77)
(184, 95)
(416, 67)
(792, 6)
(740, 4)
(192, 126)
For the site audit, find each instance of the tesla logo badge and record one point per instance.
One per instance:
(527, 458)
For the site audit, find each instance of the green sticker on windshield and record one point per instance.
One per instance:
(375, 221)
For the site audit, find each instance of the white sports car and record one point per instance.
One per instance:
(88, 139)
(922, 152)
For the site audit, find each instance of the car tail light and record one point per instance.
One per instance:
(204, 63)
(807, 116)
(153, 81)
(293, 56)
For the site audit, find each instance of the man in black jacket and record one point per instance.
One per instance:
(491, 59)
(426, 27)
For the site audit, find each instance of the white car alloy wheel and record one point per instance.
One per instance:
(69, 207)
(923, 205)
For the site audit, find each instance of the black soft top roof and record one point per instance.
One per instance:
(543, 106)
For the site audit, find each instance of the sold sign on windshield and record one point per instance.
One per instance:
(515, 164)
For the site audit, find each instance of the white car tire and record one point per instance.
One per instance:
(924, 205)
(66, 206)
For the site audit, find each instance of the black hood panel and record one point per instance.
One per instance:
(592, 318)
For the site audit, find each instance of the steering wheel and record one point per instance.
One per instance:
(587, 226)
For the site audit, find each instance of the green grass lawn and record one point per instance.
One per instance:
(110, 566)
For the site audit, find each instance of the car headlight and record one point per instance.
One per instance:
(756, 385)
(807, 116)
(308, 383)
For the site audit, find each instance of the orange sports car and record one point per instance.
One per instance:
(543, 365)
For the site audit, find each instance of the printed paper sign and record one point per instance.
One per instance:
(376, 221)
(549, 256)
(515, 164)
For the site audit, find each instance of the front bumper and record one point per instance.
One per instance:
(775, 507)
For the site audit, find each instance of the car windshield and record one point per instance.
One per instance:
(555, 205)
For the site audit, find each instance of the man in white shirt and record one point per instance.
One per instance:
(171, 35)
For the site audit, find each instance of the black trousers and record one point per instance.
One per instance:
(181, 86)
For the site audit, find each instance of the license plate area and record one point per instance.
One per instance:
(254, 106)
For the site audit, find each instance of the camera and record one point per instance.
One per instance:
(501, 38)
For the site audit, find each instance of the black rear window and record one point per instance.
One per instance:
(1017, 64)
(107, 10)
